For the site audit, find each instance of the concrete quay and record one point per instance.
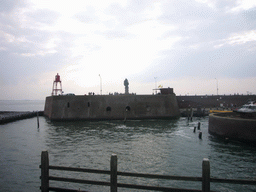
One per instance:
(10, 116)
(233, 126)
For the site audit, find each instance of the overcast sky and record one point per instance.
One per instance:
(193, 46)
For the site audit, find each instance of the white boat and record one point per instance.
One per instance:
(248, 109)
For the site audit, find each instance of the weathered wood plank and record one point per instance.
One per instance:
(156, 176)
(44, 171)
(81, 181)
(156, 188)
(113, 173)
(206, 175)
(234, 181)
(74, 169)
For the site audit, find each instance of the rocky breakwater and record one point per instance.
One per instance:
(233, 126)
(9, 116)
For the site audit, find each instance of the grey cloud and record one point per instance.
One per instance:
(87, 16)
(123, 15)
(183, 11)
(43, 16)
(8, 6)
(230, 62)
(15, 67)
(199, 23)
(250, 15)
(111, 34)
(28, 54)
(137, 6)
(130, 14)
(202, 26)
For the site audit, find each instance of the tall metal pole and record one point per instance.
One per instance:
(100, 85)
(155, 84)
(217, 86)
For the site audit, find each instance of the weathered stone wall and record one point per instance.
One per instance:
(48, 106)
(96, 107)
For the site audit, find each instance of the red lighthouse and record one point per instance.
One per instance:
(55, 89)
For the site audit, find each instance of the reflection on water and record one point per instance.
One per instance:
(149, 146)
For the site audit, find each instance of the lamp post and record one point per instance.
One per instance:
(100, 85)
(217, 86)
(155, 84)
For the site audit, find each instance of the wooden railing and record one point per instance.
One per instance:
(113, 184)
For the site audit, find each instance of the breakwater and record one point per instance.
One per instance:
(10, 116)
(213, 101)
(111, 107)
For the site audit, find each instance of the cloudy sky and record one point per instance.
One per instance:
(193, 46)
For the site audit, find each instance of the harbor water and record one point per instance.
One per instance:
(168, 147)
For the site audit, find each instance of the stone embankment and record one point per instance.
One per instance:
(10, 116)
(233, 126)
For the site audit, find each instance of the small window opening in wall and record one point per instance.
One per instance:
(68, 105)
(128, 108)
(108, 108)
(88, 104)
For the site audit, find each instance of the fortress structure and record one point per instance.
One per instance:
(112, 107)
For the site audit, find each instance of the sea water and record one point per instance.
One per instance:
(168, 147)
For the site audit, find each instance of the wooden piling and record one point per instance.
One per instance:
(199, 124)
(44, 172)
(37, 119)
(113, 173)
(206, 175)
(200, 135)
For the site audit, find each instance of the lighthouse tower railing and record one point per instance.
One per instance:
(55, 88)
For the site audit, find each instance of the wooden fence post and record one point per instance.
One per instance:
(206, 175)
(44, 172)
(113, 173)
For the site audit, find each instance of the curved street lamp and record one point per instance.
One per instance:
(217, 86)
(100, 85)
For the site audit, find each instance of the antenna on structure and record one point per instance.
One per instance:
(126, 84)
(55, 89)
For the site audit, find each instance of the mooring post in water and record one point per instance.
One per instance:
(191, 113)
(187, 113)
(194, 129)
(113, 173)
(200, 135)
(44, 171)
(206, 175)
(199, 124)
(37, 119)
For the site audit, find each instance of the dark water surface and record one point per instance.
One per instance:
(148, 146)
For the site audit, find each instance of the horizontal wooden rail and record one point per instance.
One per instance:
(128, 174)
(156, 176)
(113, 173)
(57, 189)
(82, 181)
(73, 169)
(156, 188)
(234, 181)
